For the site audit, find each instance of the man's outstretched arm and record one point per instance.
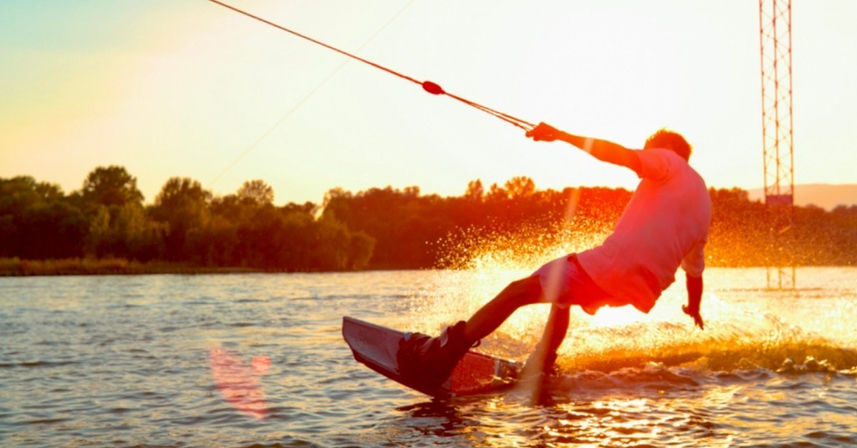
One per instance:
(601, 149)
(694, 298)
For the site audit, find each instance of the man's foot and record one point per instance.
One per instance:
(429, 360)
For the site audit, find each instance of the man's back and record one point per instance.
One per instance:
(665, 225)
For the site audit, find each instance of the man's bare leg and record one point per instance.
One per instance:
(534, 375)
(522, 292)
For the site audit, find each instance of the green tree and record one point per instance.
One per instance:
(360, 249)
(18, 193)
(37, 222)
(111, 186)
(256, 192)
(129, 233)
(520, 187)
(52, 230)
(475, 191)
(118, 224)
(183, 205)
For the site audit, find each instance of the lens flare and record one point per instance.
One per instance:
(238, 383)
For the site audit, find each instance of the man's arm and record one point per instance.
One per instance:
(601, 149)
(694, 298)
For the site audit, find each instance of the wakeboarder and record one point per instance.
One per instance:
(663, 227)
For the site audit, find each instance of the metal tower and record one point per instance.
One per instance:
(775, 36)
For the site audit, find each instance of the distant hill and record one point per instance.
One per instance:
(826, 196)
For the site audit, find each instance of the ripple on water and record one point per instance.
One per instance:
(124, 362)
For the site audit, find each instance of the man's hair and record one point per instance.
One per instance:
(666, 139)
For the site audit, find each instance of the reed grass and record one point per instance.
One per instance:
(15, 267)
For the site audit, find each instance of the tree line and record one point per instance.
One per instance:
(379, 228)
(186, 223)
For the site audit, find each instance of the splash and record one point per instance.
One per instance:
(738, 336)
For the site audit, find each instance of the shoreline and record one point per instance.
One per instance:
(15, 267)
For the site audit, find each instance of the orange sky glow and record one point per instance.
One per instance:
(192, 89)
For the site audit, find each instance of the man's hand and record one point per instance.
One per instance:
(694, 313)
(543, 133)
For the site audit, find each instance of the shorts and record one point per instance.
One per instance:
(565, 283)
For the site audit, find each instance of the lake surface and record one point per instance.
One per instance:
(139, 361)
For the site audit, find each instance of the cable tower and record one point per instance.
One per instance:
(775, 35)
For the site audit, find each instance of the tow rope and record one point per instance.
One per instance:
(428, 86)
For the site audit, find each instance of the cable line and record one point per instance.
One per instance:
(303, 100)
(428, 86)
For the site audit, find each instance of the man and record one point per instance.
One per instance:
(664, 226)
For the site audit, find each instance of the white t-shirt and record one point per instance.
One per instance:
(664, 226)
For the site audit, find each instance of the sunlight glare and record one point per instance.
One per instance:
(616, 316)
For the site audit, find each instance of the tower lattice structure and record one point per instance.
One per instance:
(775, 35)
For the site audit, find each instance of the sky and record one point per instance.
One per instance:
(188, 88)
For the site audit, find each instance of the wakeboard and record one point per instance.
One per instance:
(477, 373)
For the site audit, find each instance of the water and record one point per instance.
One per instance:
(126, 361)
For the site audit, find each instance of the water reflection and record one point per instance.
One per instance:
(503, 422)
